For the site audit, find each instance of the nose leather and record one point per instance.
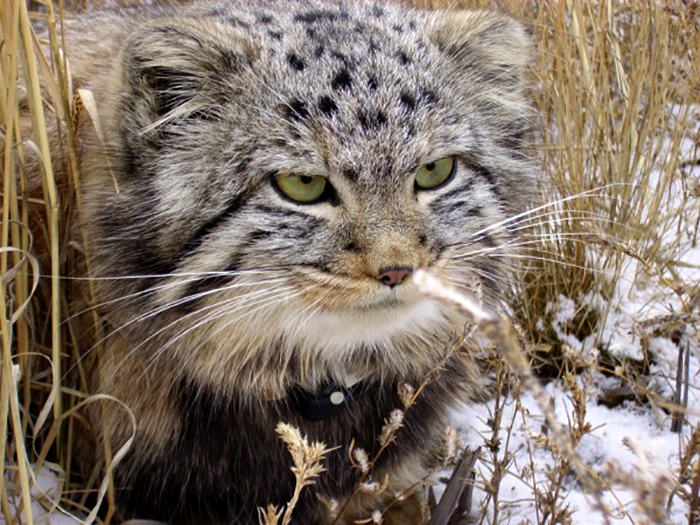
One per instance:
(395, 275)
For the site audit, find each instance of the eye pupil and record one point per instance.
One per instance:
(306, 179)
(435, 174)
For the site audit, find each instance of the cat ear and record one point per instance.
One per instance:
(493, 47)
(180, 70)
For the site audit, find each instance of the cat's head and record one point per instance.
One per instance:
(277, 175)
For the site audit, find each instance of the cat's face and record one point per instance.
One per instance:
(287, 185)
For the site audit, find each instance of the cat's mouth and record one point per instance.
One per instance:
(383, 303)
(377, 301)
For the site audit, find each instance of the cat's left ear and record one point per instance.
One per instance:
(493, 47)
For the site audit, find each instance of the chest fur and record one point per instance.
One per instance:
(233, 440)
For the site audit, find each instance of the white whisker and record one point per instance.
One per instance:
(581, 195)
(173, 304)
(517, 243)
(270, 302)
(149, 291)
(217, 273)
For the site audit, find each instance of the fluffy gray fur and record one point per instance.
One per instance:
(241, 294)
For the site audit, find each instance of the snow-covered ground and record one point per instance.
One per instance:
(628, 439)
(635, 440)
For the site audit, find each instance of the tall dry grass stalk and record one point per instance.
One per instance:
(615, 83)
(16, 319)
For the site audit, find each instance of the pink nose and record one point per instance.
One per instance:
(394, 275)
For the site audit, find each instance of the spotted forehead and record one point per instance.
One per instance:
(358, 75)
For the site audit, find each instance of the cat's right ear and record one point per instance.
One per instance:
(489, 46)
(181, 70)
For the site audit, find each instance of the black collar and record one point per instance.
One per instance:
(327, 401)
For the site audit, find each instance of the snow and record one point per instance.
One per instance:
(45, 494)
(603, 447)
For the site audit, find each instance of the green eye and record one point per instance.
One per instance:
(435, 174)
(305, 189)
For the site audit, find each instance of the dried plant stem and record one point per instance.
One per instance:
(9, 85)
(388, 439)
(9, 401)
(364, 477)
(680, 396)
(500, 333)
(9, 395)
(53, 208)
(694, 514)
(493, 444)
(307, 459)
(77, 119)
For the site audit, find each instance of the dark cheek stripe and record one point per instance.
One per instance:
(487, 175)
(243, 245)
(462, 207)
(207, 284)
(281, 213)
(233, 265)
(464, 189)
(484, 173)
(197, 239)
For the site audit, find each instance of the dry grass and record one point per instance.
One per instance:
(616, 84)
